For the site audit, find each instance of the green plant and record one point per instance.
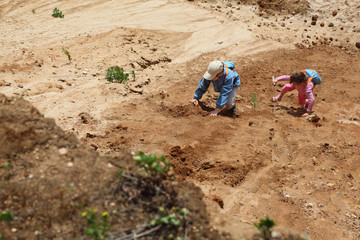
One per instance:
(208, 91)
(264, 227)
(57, 13)
(133, 74)
(6, 217)
(9, 165)
(153, 165)
(253, 99)
(67, 53)
(116, 74)
(97, 228)
(33, 11)
(170, 218)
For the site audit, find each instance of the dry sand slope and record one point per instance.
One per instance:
(305, 175)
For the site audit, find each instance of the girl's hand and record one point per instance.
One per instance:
(274, 80)
(215, 112)
(194, 101)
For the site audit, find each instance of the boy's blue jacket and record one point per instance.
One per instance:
(224, 85)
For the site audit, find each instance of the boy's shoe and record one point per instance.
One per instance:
(233, 109)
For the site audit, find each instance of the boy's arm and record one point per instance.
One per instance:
(201, 89)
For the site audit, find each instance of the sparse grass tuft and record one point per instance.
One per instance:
(253, 99)
(33, 11)
(67, 53)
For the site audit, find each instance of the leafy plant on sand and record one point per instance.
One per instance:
(253, 99)
(57, 13)
(33, 11)
(155, 167)
(98, 228)
(67, 53)
(117, 74)
(264, 227)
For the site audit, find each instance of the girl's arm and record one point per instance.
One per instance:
(283, 78)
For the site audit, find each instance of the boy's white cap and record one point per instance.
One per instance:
(213, 69)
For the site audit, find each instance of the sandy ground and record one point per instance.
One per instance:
(304, 174)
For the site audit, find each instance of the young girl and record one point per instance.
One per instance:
(304, 82)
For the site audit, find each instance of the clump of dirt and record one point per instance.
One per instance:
(48, 179)
(282, 6)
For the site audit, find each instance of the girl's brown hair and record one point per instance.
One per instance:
(298, 78)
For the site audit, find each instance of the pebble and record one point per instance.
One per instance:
(63, 151)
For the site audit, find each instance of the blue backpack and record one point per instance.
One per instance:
(312, 76)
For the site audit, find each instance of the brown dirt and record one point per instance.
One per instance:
(230, 170)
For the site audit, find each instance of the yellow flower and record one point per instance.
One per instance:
(84, 214)
(105, 214)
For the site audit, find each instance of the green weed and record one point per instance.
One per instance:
(154, 166)
(133, 74)
(0, 236)
(170, 218)
(33, 11)
(67, 53)
(9, 165)
(264, 227)
(6, 217)
(97, 227)
(253, 99)
(116, 74)
(57, 13)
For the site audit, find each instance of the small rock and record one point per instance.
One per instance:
(63, 151)
(334, 13)
(309, 205)
(331, 25)
(357, 45)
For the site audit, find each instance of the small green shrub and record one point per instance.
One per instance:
(97, 228)
(6, 217)
(57, 13)
(116, 74)
(264, 227)
(153, 166)
(33, 11)
(67, 53)
(253, 99)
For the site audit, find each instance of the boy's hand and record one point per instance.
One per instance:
(215, 112)
(194, 101)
